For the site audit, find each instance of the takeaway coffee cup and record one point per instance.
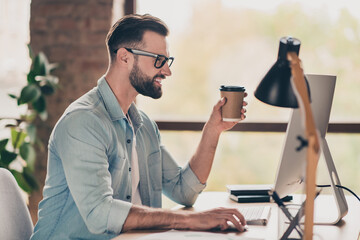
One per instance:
(231, 110)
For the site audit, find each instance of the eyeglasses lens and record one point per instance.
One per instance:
(160, 61)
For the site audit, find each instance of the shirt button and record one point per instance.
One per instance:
(129, 169)
(128, 141)
(128, 197)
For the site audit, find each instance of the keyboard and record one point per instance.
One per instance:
(258, 215)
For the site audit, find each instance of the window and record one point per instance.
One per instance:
(14, 54)
(235, 42)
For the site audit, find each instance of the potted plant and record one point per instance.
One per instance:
(17, 152)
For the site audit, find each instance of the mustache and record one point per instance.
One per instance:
(159, 76)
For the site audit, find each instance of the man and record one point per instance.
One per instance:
(106, 165)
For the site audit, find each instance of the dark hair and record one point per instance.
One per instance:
(129, 30)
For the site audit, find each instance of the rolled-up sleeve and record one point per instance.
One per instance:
(82, 142)
(179, 184)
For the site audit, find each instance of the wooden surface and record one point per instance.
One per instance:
(348, 228)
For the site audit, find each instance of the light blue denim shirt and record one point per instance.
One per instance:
(87, 193)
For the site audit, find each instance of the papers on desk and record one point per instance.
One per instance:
(195, 235)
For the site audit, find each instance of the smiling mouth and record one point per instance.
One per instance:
(158, 80)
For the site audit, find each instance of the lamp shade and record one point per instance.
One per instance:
(275, 88)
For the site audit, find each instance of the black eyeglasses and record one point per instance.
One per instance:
(160, 59)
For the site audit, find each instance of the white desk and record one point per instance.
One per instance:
(348, 228)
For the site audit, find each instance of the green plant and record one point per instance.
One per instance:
(17, 153)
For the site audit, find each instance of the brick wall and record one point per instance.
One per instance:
(71, 33)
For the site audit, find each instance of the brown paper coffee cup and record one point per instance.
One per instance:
(231, 110)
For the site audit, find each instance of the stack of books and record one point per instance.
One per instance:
(252, 193)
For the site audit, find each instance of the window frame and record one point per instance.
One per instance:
(342, 127)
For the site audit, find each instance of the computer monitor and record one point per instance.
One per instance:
(292, 167)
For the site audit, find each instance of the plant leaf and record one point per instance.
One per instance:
(3, 144)
(31, 54)
(53, 66)
(7, 157)
(40, 65)
(17, 137)
(27, 152)
(40, 104)
(49, 84)
(12, 96)
(30, 178)
(43, 115)
(29, 93)
(31, 132)
(30, 116)
(20, 179)
(31, 77)
(47, 89)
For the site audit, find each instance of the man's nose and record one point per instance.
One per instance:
(166, 70)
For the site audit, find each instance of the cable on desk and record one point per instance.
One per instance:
(339, 186)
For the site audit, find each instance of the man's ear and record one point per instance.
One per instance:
(123, 56)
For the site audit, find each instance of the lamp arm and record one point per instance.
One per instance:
(313, 150)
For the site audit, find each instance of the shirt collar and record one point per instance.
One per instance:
(112, 106)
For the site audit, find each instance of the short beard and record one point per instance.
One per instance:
(144, 84)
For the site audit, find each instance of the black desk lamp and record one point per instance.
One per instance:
(285, 86)
(276, 88)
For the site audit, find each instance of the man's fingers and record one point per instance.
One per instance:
(232, 215)
(241, 218)
(235, 221)
(237, 225)
(224, 225)
(238, 214)
(220, 103)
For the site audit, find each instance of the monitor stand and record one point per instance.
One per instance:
(337, 208)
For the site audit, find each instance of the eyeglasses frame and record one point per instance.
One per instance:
(149, 54)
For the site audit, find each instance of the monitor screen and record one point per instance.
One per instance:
(292, 167)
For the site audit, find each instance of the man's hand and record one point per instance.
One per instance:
(215, 121)
(218, 218)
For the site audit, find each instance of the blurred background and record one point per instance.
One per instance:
(214, 42)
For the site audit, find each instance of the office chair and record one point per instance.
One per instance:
(15, 220)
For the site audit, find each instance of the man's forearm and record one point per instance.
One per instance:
(203, 158)
(141, 217)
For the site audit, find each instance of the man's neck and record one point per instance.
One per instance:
(122, 89)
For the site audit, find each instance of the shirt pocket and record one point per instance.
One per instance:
(118, 162)
(155, 171)
(120, 178)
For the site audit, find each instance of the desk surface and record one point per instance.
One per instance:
(348, 228)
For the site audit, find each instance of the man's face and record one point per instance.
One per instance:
(144, 77)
